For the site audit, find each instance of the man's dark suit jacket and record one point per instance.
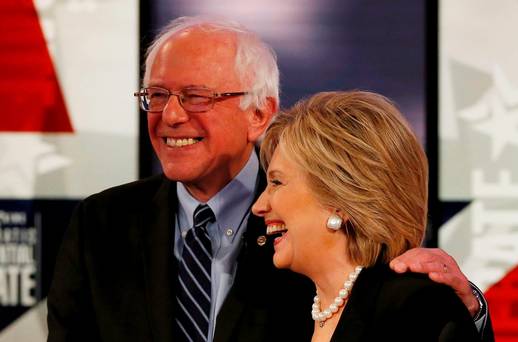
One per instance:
(115, 274)
(385, 306)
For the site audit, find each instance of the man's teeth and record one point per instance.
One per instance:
(275, 228)
(180, 142)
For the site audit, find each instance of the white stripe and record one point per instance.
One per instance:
(188, 248)
(196, 281)
(202, 210)
(193, 300)
(205, 233)
(192, 320)
(180, 325)
(199, 224)
(209, 255)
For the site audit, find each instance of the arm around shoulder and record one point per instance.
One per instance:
(435, 313)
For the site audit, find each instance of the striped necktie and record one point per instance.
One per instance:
(193, 296)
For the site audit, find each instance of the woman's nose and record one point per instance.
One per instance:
(262, 205)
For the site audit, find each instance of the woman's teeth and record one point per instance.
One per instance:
(275, 228)
(181, 142)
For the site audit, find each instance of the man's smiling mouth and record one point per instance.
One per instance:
(172, 142)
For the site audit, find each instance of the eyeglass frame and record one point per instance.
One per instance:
(141, 94)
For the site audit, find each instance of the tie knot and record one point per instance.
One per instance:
(203, 215)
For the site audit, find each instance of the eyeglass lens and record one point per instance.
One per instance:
(193, 100)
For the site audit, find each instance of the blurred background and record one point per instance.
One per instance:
(70, 127)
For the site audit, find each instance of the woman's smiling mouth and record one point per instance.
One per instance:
(276, 228)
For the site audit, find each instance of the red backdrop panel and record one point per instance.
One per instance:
(31, 99)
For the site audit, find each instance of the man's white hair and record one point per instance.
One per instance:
(255, 61)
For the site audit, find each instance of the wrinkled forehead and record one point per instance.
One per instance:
(198, 54)
(200, 44)
(207, 34)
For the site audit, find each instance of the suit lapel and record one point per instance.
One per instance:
(157, 229)
(360, 309)
(251, 262)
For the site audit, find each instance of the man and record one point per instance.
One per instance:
(131, 268)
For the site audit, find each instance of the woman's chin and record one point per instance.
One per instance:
(279, 262)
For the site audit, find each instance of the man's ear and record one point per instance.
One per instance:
(260, 118)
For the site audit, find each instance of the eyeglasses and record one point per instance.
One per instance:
(194, 100)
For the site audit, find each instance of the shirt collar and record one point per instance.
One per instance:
(230, 205)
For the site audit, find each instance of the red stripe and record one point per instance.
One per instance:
(502, 299)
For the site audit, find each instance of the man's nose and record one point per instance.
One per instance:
(262, 206)
(173, 112)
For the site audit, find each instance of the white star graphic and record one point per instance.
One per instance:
(496, 114)
(501, 127)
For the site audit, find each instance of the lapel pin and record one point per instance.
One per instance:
(261, 240)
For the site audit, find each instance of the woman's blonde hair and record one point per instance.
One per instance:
(361, 158)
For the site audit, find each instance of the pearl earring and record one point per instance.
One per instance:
(334, 222)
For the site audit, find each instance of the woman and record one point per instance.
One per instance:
(347, 192)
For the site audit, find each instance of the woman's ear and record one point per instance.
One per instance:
(260, 118)
(336, 219)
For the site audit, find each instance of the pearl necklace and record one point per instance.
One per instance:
(322, 316)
